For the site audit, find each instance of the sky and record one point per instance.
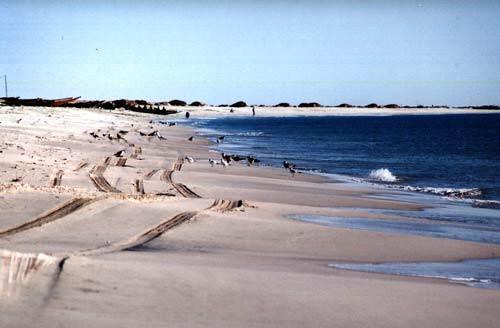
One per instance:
(262, 52)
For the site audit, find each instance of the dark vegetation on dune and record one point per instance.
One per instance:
(311, 104)
(163, 107)
(197, 104)
(239, 104)
(177, 102)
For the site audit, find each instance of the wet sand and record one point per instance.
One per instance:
(146, 238)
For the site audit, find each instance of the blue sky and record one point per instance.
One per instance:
(411, 52)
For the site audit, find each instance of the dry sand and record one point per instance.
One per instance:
(214, 111)
(147, 239)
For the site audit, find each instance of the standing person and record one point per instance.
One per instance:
(253, 110)
(187, 114)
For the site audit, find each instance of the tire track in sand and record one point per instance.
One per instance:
(19, 267)
(80, 166)
(97, 177)
(51, 215)
(56, 178)
(143, 237)
(226, 205)
(220, 205)
(139, 186)
(150, 174)
(179, 187)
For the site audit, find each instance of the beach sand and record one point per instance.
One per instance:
(267, 111)
(149, 239)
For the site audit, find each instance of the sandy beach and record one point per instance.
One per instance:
(104, 222)
(270, 111)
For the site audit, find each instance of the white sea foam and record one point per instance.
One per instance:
(448, 192)
(463, 194)
(249, 134)
(481, 273)
(486, 203)
(382, 175)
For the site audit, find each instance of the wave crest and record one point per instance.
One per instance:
(448, 192)
(383, 175)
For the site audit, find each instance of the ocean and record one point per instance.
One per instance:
(455, 157)
(449, 155)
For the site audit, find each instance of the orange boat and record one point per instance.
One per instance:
(62, 101)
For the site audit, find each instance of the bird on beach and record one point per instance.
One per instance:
(160, 136)
(220, 139)
(189, 159)
(293, 171)
(145, 134)
(226, 157)
(191, 138)
(252, 160)
(237, 158)
(212, 162)
(119, 153)
(224, 162)
(287, 165)
(119, 137)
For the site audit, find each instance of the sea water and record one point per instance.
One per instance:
(484, 273)
(452, 155)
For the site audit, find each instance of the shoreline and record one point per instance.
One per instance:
(164, 241)
(210, 111)
(270, 111)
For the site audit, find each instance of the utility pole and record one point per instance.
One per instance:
(5, 80)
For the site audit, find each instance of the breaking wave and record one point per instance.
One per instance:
(382, 175)
(494, 204)
(446, 192)
(385, 175)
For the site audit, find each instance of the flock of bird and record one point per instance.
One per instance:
(225, 160)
